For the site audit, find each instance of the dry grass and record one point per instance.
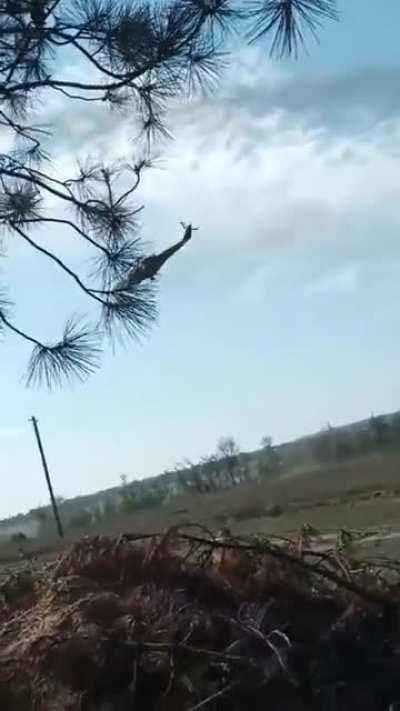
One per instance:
(183, 623)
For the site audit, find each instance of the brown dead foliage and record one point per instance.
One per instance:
(183, 622)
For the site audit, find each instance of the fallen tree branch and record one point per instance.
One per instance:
(373, 596)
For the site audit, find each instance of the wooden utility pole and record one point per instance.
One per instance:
(48, 480)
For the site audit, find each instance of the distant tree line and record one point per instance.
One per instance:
(336, 444)
(225, 468)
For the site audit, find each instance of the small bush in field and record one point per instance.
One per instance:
(253, 510)
(80, 519)
(129, 503)
(274, 511)
(19, 538)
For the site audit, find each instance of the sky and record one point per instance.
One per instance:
(283, 312)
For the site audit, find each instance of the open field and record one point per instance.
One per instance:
(112, 604)
(362, 495)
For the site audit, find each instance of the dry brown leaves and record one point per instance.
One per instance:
(185, 622)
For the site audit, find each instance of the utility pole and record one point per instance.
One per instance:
(47, 475)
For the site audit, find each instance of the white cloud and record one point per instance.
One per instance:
(341, 281)
(266, 167)
(290, 187)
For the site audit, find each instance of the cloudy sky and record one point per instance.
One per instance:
(281, 315)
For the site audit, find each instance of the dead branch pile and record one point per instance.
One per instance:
(187, 622)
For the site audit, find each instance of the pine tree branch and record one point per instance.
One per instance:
(38, 182)
(287, 21)
(143, 54)
(57, 261)
(17, 331)
(69, 223)
(24, 131)
(101, 68)
(126, 79)
(76, 356)
(79, 97)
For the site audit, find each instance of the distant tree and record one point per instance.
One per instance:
(323, 444)
(129, 502)
(266, 443)
(44, 517)
(41, 513)
(270, 458)
(183, 481)
(228, 453)
(344, 445)
(264, 470)
(124, 480)
(364, 441)
(396, 427)
(173, 483)
(180, 479)
(189, 474)
(380, 430)
(98, 514)
(110, 508)
(227, 447)
(194, 476)
(152, 496)
(80, 519)
(244, 468)
(210, 471)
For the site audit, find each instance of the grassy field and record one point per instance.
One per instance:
(362, 495)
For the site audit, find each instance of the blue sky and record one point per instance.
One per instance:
(281, 315)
